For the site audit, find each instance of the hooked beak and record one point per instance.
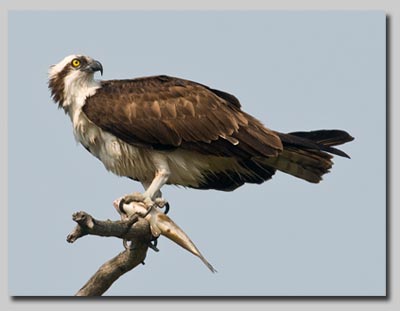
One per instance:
(94, 66)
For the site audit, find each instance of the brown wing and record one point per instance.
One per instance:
(162, 112)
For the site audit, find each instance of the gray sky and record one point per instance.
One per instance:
(292, 70)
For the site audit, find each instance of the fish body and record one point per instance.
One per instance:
(161, 224)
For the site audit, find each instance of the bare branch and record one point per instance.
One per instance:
(134, 229)
(128, 229)
(109, 272)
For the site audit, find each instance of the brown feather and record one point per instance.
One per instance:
(166, 113)
(163, 112)
(56, 85)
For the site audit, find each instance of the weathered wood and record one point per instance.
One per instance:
(136, 230)
(110, 271)
(132, 228)
(139, 225)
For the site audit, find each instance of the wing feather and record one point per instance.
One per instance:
(163, 112)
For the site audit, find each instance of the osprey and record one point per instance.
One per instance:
(164, 130)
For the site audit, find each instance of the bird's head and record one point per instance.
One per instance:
(73, 73)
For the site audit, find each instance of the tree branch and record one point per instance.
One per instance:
(134, 229)
(139, 225)
(131, 228)
(110, 271)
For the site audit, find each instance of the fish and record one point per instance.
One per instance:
(161, 224)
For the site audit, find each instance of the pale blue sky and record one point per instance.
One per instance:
(292, 70)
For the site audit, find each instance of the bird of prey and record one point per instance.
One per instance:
(165, 130)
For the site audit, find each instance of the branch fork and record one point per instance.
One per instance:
(139, 225)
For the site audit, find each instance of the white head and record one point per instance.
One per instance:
(71, 75)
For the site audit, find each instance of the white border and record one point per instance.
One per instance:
(390, 7)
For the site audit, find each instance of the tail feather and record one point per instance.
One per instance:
(307, 155)
(326, 137)
(305, 164)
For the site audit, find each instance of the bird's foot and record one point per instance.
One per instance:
(147, 201)
(133, 197)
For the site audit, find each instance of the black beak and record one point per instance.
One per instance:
(94, 66)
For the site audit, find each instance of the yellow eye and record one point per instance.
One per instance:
(76, 63)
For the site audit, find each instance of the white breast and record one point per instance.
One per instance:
(117, 156)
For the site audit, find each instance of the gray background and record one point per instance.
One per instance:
(293, 70)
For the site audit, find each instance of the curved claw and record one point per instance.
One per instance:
(160, 202)
(153, 245)
(166, 208)
(148, 211)
(121, 205)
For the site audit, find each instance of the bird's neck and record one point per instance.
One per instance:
(71, 91)
(77, 90)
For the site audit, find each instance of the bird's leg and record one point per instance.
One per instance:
(153, 190)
